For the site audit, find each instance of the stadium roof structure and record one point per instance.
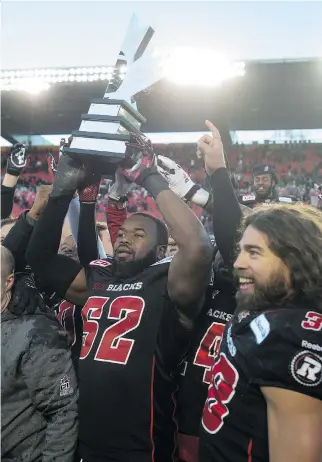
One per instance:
(273, 95)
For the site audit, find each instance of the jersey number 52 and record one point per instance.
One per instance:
(127, 312)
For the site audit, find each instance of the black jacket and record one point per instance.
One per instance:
(39, 391)
(7, 195)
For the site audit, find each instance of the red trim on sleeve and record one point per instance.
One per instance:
(115, 218)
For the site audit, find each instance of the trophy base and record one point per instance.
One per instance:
(104, 163)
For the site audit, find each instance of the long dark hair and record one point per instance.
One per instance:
(294, 234)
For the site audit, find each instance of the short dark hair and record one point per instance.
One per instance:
(8, 221)
(294, 233)
(162, 230)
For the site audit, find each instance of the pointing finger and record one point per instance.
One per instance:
(213, 129)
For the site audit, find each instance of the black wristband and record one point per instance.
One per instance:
(13, 171)
(154, 184)
(30, 220)
(192, 192)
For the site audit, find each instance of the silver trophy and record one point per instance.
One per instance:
(105, 129)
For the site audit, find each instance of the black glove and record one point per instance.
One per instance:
(25, 296)
(17, 159)
(71, 175)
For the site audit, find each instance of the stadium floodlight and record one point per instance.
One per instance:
(32, 86)
(11, 79)
(190, 66)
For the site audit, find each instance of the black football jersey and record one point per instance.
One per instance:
(204, 346)
(70, 317)
(132, 345)
(277, 348)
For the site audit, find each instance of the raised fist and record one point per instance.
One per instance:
(17, 159)
(120, 188)
(72, 175)
(140, 154)
(210, 148)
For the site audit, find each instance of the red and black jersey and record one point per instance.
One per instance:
(196, 374)
(132, 345)
(277, 348)
(70, 317)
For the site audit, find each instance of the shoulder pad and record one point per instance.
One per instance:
(164, 260)
(101, 263)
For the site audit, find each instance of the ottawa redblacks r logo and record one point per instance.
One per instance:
(306, 368)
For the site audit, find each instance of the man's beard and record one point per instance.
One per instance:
(263, 195)
(275, 292)
(128, 269)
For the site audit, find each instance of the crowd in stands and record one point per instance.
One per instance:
(298, 167)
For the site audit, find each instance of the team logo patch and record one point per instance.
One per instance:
(101, 263)
(306, 368)
(65, 388)
(18, 157)
(261, 328)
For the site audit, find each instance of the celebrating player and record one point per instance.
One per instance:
(264, 182)
(137, 317)
(218, 309)
(264, 401)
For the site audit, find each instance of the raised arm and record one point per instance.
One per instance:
(226, 213)
(116, 210)
(57, 272)
(16, 162)
(190, 269)
(18, 237)
(87, 235)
